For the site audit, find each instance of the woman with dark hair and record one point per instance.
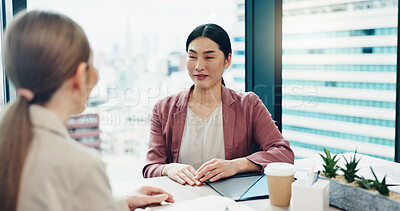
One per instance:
(209, 131)
(48, 58)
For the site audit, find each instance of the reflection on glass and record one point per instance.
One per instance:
(139, 51)
(339, 76)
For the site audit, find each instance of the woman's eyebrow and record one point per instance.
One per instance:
(205, 52)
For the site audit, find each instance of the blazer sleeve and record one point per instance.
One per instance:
(157, 152)
(272, 146)
(93, 191)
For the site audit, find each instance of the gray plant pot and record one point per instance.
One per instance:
(352, 198)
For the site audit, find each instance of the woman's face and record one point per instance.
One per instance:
(206, 63)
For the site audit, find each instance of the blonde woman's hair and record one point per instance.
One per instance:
(41, 50)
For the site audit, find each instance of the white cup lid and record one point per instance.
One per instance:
(279, 169)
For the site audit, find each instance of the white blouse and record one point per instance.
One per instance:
(202, 140)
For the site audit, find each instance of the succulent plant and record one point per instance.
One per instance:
(364, 183)
(330, 167)
(350, 169)
(381, 187)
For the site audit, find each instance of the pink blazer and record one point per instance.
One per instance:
(246, 121)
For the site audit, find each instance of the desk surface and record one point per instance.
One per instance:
(186, 192)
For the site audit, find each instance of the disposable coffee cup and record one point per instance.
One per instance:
(280, 177)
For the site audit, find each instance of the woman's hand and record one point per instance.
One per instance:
(148, 195)
(216, 169)
(181, 173)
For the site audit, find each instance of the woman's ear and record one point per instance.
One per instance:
(228, 61)
(79, 78)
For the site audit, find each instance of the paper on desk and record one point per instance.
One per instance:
(380, 167)
(394, 189)
(391, 172)
(209, 203)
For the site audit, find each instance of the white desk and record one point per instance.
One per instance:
(182, 193)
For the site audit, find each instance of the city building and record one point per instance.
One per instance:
(235, 76)
(85, 129)
(176, 62)
(339, 76)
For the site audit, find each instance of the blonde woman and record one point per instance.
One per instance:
(48, 58)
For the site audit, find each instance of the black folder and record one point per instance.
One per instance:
(243, 186)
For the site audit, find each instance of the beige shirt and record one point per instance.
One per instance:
(202, 140)
(60, 174)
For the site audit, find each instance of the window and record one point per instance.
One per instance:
(339, 76)
(139, 51)
(2, 74)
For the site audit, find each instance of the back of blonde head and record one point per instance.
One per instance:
(41, 50)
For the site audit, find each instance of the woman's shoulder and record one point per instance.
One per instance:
(247, 97)
(66, 159)
(177, 99)
(88, 157)
(172, 98)
(245, 102)
(68, 152)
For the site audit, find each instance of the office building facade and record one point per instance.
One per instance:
(235, 76)
(339, 76)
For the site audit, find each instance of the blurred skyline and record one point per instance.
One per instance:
(169, 21)
(139, 52)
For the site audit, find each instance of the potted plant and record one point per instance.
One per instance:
(350, 170)
(330, 162)
(351, 192)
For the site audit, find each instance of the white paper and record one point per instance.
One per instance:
(381, 168)
(392, 173)
(209, 203)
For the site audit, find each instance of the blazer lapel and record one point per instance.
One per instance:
(178, 122)
(228, 116)
(178, 126)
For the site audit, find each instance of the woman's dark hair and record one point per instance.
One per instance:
(216, 34)
(41, 50)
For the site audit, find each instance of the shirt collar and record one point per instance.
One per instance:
(46, 119)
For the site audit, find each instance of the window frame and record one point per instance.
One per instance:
(397, 119)
(263, 68)
(8, 9)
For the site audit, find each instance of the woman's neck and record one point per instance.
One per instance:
(60, 104)
(207, 96)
